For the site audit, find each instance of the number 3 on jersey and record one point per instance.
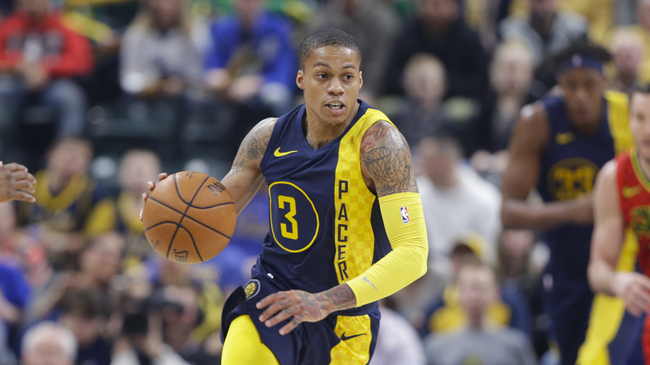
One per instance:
(294, 220)
(292, 232)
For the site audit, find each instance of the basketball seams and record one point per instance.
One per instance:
(212, 206)
(171, 243)
(159, 224)
(193, 242)
(192, 218)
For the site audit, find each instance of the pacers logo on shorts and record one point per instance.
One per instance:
(252, 288)
(404, 211)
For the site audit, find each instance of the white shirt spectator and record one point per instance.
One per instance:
(471, 206)
(397, 342)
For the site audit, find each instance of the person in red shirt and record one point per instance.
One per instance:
(39, 56)
(622, 205)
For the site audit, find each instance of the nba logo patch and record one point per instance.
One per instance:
(404, 211)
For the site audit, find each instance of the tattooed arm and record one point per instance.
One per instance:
(386, 161)
(245, 176)
(303, 306)
(386, 165)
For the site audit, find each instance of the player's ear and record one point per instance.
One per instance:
(299, 80)
(360, 79)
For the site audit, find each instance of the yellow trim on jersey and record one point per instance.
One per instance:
(271, 215)
(243, 345)
(607, 312)
(407, 261)
(619, 120)
(356, 336)
(353, 201)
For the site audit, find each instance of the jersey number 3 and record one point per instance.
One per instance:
(290, 230)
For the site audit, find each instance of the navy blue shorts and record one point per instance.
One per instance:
(329, 341)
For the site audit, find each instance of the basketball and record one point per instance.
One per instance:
(189, 217)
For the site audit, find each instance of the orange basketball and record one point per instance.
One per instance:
(189, 217)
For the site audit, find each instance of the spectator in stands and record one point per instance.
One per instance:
(627, 51)
(162, 50)
(511, 78)
(180, 323)
(100, 263)
(547, 29)
(445, 314)
(252, 60)
(599, 14)
(81, 311)
(456, 200)
(422, 111)
(480, 342)
(14, 296)
(41, 57)
(374, 26)
(137, 167)
(71, 207)
(397, 341)
(521, 273)
(49, 344)
(440, 31)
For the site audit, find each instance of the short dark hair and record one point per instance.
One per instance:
(326, 37)
(578, 46)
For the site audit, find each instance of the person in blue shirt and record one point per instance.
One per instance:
(252, 64)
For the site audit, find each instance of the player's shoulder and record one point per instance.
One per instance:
(254, 145)
(532, 129)
(607, 177)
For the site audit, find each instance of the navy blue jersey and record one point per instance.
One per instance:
(325, 224)
(569, 167)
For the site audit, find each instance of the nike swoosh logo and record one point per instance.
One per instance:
(365, 278)
(630, 192)
(564, 138)
(345, 338)
(277, 152)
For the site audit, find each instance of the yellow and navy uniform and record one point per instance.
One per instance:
(326, 228)
(82, 207)
(569, 167)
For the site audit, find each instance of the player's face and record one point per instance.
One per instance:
(331, 80)
(583, 93)
(640, 123)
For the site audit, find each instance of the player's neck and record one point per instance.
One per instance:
(319, 133)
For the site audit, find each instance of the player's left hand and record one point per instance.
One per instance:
(302, 306)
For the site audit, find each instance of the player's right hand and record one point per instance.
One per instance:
(634, 288)
(150, 186)
(16, 183)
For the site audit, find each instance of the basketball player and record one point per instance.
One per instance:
(622, 203)
(558, 146)
(16, 183)
(346, 220)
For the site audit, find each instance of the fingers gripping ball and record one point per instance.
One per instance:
(189, 217)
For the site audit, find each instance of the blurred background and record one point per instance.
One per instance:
(99, 96)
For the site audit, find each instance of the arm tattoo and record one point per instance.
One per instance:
(387, 160)
(338, 298)
(253, 146)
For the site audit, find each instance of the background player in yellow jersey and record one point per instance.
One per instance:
(346, 219)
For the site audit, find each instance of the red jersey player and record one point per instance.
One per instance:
(622, 204)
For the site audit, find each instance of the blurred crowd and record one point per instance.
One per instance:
(99, 96)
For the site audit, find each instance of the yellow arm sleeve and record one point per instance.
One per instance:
(408, 259)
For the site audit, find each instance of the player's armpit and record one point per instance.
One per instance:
(386, 160)
(245, 176)
(404, 221)
(609, 231)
